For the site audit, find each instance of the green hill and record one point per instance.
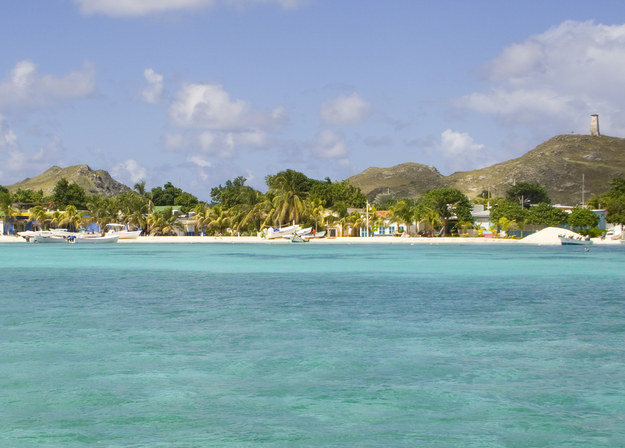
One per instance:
(97, 182)
(558, 164)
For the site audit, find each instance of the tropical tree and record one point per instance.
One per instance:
(218, 220)
(65, 194)
(7, 210)
(100, 210)
(525, 193)
(545, 214)
(441, 204)
(403, 213)
(317, 211)
(258, 216)
(288, 197)
(163, 222)
(38, 215)
(613, 201)
(132, 209)
(27, 196)
(72, 218)
(57, 219)
(582, 218)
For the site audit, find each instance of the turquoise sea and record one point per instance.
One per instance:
(253, 345)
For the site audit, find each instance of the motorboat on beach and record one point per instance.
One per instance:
(286, 232)
(92, 239)
(571, 240)
(298, 239)
(121, 230)
(64, 237)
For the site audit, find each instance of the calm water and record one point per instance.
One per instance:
(311, 346)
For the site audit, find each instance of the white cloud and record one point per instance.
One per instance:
(152, 93)
(16, 163)
(199, 161)
(208, 106)
(224, 144)
(345, 110)
(223, 124)
(24, 88)
(330, 146)
(460, 152)
(560, 77)
(129, 169)
(138, 8)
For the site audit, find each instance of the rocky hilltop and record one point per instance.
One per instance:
(559, 164)
(98, 182)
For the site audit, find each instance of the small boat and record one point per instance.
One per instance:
(92, 239)
(299, 239)
(122, 231)
(47, 237)
(571, 240)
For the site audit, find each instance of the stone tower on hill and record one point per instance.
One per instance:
(594, 125)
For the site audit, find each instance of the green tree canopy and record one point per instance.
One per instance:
(331, 192)
(545, 215)
(527, 193)
(444, 203)
(581, 218)
(165, 195)
(28, 196)
(613, 201)
(65, 194)
(186, 201)
(509, 210)
(234, 193)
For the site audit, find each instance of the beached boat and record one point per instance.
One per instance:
(569, 240)
(121, 231)
(298, 239)
(63, 237)
(47, 237)
(282, 232)
(87, 238)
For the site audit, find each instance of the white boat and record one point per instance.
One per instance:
(47, 237)
(570, 240)
(86, 238)
(71, 238)
(298, 239)
(284, 232)
(121, 231)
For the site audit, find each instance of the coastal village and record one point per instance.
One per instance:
(298, 209)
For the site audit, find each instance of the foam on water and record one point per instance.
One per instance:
(306, 345)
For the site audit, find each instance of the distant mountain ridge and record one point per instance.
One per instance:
(561, 165)
(98, 182)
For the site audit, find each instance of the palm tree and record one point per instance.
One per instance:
(7, 210)
(163, 223)
(100, 210)
(200, 217)
(132, 209)
(288, 201)
(72, 218)
(38, 215)
(317, 211)
(219, 220)
(402, 212)
(57, 219)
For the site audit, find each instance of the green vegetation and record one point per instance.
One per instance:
(292, 197)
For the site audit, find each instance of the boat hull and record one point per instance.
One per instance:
(571, 241)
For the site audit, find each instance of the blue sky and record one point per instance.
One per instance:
(197, 92)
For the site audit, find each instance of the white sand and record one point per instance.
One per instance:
(548, 236)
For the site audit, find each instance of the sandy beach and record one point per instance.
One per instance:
(545, 237)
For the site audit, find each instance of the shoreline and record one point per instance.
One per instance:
(344, 240)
